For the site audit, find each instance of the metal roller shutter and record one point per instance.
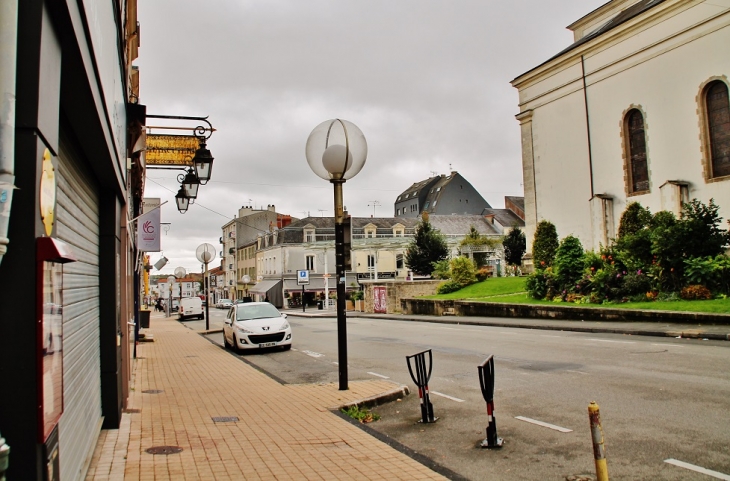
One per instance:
(77, 215)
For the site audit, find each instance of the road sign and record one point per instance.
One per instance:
(302, 277)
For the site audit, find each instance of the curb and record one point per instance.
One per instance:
(398, 392)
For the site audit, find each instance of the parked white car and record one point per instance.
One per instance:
(255, 325)
(224, 304)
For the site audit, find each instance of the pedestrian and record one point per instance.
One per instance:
(158, 305)
(267, 298)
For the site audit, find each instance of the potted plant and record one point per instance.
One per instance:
(359, 299)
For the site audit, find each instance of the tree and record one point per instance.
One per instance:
(515, 245)
(569, 262)
(634, 237)
(544, 244)
(428, 246)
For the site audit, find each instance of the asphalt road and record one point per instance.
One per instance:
(660, 399)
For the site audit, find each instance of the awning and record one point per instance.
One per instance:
(263, 287)
(315, 284)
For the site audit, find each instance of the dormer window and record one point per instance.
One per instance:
(309, 235)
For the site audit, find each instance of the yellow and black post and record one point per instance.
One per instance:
(599, 450)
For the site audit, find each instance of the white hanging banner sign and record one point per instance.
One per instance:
(148, 231)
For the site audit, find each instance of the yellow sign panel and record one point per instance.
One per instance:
(171, 149)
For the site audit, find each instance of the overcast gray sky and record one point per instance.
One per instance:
(427, 81)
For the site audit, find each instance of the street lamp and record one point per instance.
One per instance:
(170, 282)
(203, 162)
(205, 254)
(190, 184)
(336, 151)
(182, 200)
(246, 280)
(179, 274)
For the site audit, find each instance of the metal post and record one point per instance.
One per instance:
(599, 450)
(206, 281)
(421, 378)
(486, 383)
(340, 262)
(303, 303)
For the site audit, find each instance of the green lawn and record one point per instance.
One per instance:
(512, 290)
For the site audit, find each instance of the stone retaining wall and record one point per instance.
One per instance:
(435, 307)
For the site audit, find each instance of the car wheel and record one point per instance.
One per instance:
(225, 342)
(236, 349)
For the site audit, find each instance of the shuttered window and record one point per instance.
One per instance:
(718, 127)
(637, 151)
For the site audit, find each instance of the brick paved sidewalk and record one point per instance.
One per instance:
(283, 431)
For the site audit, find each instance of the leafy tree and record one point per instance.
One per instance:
(544, 244)
(569, 262)
(634, 237)
(463, 271)
(428, 246)
(515, 246)
(441, 269)
(700, 230)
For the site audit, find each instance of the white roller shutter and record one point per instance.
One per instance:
(77, 223)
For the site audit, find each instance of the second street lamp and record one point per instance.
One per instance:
(203, 162)
(182, 200)
(336, 151)
(190, 184)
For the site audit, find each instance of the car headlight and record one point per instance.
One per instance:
(284, 326)
(243, 330)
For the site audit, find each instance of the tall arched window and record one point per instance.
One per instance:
(638, 167)
(717, 107)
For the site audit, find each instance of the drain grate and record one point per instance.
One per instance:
(152, 391)
(164, 450)
(225, 419)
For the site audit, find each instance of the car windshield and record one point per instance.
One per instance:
(256, 311)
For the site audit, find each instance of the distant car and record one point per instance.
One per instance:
(255, 325)
(224, 304)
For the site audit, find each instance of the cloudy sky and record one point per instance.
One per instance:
(427, 81)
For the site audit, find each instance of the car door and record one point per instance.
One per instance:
(228, 325)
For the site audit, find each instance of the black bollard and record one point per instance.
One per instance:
(423, 374)
(486, 383)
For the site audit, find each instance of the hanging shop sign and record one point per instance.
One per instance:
(172, 150)
(48, 192)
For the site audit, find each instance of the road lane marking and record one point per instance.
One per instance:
(545, 425)
(667, 344)
(607, 340)
(698, 469)
(378, 375)
(313, 354)
(447, 396)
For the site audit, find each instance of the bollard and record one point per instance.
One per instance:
(486, 383)
(599, 450)
(4, 458)
(423, 374)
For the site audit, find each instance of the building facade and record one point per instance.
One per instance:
(635, 110)
(69, 136)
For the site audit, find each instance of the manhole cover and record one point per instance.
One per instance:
(225, 419)
(164, 450)
(152, 391)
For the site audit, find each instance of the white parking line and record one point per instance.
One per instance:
(313, 354)
(447, 396)
(606, 340)
(378, 375)
(545, 425)
(667, 344)
(698, 469)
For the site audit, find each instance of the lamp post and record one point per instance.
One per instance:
(206, 253)
(246, 280)
(336, 151)
(170, 281)
(179, 274)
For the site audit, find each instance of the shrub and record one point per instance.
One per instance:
(448, 286)
(441, 269)
(463, 271)
(636, 284)
(713, 272)
(569, 263)
(544, 244)
(483, 273)
(541, 284)
(695, 292)
(358, 296)
(515, 245)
